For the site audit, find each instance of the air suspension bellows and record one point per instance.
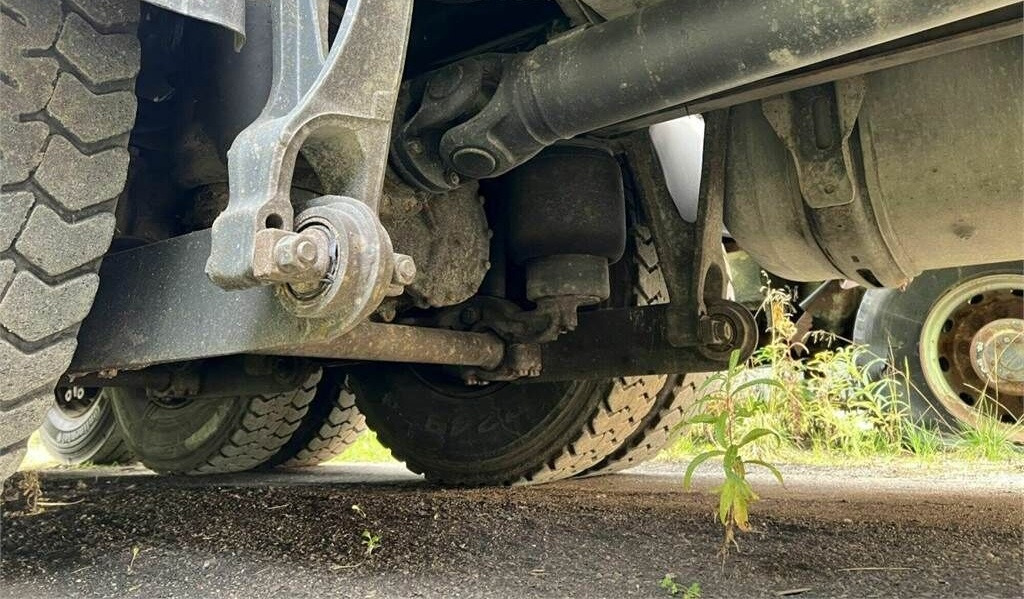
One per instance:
(566, 222)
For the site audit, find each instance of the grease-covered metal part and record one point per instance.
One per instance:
(335, 107)
(445, 234)
(653, 60)
(690, 253)
(361, 263)
(156, 306)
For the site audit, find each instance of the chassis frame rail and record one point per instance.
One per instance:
(156, 306)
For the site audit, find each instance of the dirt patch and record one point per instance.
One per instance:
(128, 534)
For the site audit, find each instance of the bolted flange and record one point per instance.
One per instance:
(997, 355)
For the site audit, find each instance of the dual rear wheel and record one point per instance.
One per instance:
(452, 433)
(313, 422)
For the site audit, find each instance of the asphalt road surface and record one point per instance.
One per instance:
(829, 533)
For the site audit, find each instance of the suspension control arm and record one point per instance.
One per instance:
(333, 259)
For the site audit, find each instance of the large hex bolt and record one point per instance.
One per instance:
(291, 258)
(403, 274)
(295, 254)
(405, 270)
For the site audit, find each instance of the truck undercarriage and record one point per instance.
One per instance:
(455, 212)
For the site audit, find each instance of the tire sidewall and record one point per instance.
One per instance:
(545, 417)
(77, 438)
(890, 321)
(175, 439)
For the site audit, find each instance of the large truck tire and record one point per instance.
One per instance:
(180, 435)
(80, 428)
(67, 105)
(930, 334)
(331, 424)
(504, 434)
(664, 421)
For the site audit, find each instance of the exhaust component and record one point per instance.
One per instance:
(654, 59)
(880, 177)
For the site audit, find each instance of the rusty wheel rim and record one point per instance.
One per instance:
(971, 329)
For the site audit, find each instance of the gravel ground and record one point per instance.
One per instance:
(829, 533)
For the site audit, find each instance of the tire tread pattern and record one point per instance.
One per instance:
(659, 427)
(337, 431)
(615, 422)
(263, 428)
(56, 202)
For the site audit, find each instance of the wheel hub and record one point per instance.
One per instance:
(972, 349)
(75, 400)
(997, 354)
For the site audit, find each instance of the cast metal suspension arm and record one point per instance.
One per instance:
(660, 57)
(335, 259)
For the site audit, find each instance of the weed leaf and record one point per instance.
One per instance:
(772, 469)
(697, 461)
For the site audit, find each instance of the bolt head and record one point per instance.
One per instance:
(295, 253)
(306, 251)
(405, 270)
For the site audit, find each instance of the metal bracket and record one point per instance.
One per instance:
(690, 253)
(229, 14)
(817, 126)
(336, 109)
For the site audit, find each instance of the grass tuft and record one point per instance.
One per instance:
(842, 403)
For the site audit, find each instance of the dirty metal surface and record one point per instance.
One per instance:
(155, 306)
(229, 14)
(335, 107)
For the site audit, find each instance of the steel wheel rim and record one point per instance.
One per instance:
(944, 350)
(74, 402)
